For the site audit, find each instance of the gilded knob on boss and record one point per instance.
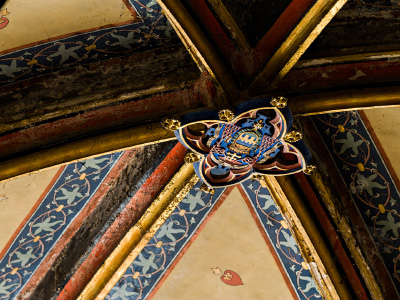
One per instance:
(279, 102)
(226, 115)
(310, 169)
(293, 136)
(170, 124)
(192, 157)
(205, 188)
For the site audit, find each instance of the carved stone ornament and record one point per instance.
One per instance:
(279, 102)
(205, 188)
(310, 169)
(192, 157)
(226, 115)
(251, 143)
(293, 136)
(170, 124)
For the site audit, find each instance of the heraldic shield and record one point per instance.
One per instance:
(235, 145)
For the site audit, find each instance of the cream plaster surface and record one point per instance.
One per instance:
(386, 124)
(231, 240)
(17, 197)
(33, 21)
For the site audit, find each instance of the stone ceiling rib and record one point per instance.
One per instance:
(319, 15)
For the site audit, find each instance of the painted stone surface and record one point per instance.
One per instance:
(143, 276)
(154, 260)
(40, 21)
(366, 176)
(18, 197)
(153, 31)
(375, 5)
(3, 19)
(282, 240)
(229, 259)
(252, 142)
(65, 200)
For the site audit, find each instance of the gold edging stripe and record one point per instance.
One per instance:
(348, 237)
(347, 58)
(140, 234)
(308, 29)
(328, 102)
(85, 148)
(310, 241)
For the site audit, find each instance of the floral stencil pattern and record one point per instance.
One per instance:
(368, 180)
(65, 200)
(154, 260)
(150, 265)
(282, 240)
(153, 31)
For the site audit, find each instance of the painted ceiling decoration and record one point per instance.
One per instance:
(151, 268)
(4, 20)
(367, 177)
(253, 140)
(151, 31)
(85, 87)
(65, 199)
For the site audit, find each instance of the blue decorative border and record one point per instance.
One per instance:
(282, 240)
(155, 259)
(368, 180)
(154, 31)
(65, 200)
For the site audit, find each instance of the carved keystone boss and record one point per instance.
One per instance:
(250, 143)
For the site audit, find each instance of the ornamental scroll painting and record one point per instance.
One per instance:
(252, 140)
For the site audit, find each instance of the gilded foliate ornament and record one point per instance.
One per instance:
(205, 188)
(171, 124)
(226, 115)
(279, 102)
(293, 136)
(256, 177)
(192, 157)
(310, 169)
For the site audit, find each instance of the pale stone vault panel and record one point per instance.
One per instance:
(160, 265)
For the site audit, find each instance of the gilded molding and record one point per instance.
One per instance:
(85, 148)
(139, 235)
(308, 29)
(312, 247)
(318, 103)
(310, 169)
(348, 237)
(354, 99)
(349, 58)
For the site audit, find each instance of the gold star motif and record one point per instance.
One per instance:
(258, 125)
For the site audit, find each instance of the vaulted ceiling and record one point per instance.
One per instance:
(83, 90)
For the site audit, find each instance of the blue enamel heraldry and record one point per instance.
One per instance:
(233, 146)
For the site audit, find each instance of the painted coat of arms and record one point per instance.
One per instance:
(253, 139)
